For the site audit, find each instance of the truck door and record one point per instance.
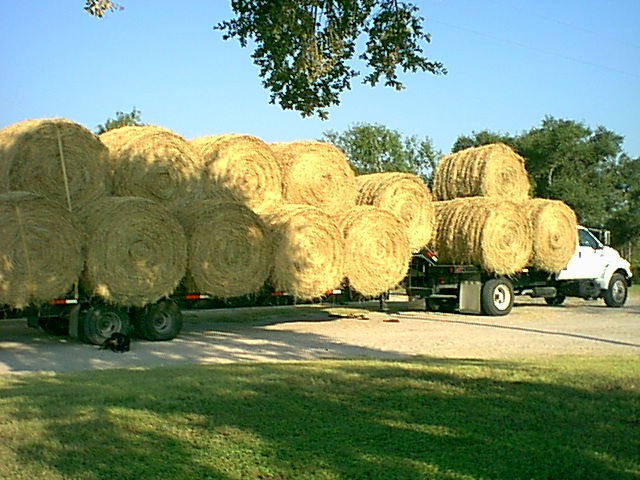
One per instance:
(589, 260)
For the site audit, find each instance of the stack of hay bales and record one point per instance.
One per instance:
(308, 250)
(377, 249)
(317, 174)
(484, 214)
(40, 249)
(242, 167)
(229, 249)
(136, 251)
(154, 163)
(56, 158)
(406, 196)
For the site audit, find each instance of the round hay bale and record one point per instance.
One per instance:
(377, 251)
(406, 196)
(491, 233)
(57, 158)
(40, 249)
(308, 250)
(136, 251)
(243, 165)
(154, 163)
(491, 170)
(554, 228)
(229, 249)
(316, 173)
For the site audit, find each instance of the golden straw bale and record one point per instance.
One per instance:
(377, 251)
(308, 250)
(491, 170)
(57, 158)
(491, 233)
(154, 163)
(406, 196)
(136, 251)
(316, 173)
(40, 249)
(554, 228)
(230, 251)
(243, 165)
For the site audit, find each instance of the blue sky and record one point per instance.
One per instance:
(510, 63)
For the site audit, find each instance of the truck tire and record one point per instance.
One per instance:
(101, 321)
(497, 297)
(555, 301)
(160, 321)
(616, 295)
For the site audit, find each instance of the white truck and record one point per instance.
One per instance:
(595, 271)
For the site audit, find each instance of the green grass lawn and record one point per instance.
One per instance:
(570, 417)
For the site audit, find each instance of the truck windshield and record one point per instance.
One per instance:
(587, 239)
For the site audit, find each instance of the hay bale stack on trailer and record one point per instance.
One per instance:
(154, 163)
(493, 170)
(56, 158)
(377, 249)
(316, 174)
(308, 250)
(406, 196)
(230, 253)
(40, 249)
(241, 167)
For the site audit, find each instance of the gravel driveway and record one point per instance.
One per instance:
(303, 333)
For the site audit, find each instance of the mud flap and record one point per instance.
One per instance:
(471, 296)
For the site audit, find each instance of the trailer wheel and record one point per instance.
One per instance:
(616, 295)
(555, 301)
(497, 297)
(159, 321)
(101, 321)
(56, 326)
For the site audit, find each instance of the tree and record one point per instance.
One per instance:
(121, 120)
(373, 148)
(624, 222)
(305, 49)
(484, 137)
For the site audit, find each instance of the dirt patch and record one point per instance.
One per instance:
(532, 329)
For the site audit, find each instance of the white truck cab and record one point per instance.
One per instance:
(599, 263)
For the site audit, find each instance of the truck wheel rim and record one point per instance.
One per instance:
(501, 297)
(618, 291)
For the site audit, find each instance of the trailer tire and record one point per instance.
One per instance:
(56, 326)
(555, 301)
(159, 321)
(101, 321)
(616, 295)
(497, 297)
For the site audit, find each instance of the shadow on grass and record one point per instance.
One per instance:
(430, 418)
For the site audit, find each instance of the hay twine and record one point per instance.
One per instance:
(377, 251)
(491, 233)
(406, 196)
(491, 170)
(154, 163)
(242, 165)
(40, 249)
(56, 158)
(136, 251)
(308, 250)
(317, 174)
(554, 228)
(229, 249)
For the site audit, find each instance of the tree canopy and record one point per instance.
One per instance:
(373, 148)
(306, 49)
(122, 120)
